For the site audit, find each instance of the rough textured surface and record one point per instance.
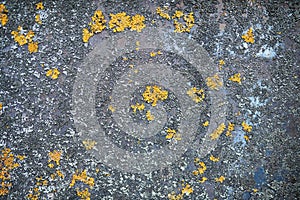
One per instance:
(38, 112)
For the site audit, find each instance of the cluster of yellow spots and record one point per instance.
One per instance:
(138, 106)
(216, 133)
(149, 116)
(246, 128)
(38, 19)
(188, 19)
(214, 82)
(221, 64)
(201, 167)
(186, 190)
(3, 14)
(22, 39)
(248, 36)
(214, 159)
(53, 73)
(7, 163)
(89, 144)
(54, 156)
(236, 78)
(153, 53)
(118, 23)
(34, 194)
(153, 94)
(196, 95)
(111, 108)
(172, 134)
(82, 177)
(39, 6)
(230, 128)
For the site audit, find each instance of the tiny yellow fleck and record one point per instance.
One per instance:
(206, 123)
(220, 179)
(53, 73)
(54, 156)
(60, 174)
(246, 127)
(255, 190)
(221, 62)
(236, 78)
(149, 116)
(111, 108)
(86, 35)
(214, 159)
(137, 106)
(50, 165)
(38, 19)
(39, 6)
(246, 137)
(152, 54)
(202, 180)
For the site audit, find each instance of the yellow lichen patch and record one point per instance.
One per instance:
(152, 94)
(86, 35)
(203, 180)
(149, 116)
(40, 181)
(246, 137)
(89, 144)
(53, 73)
(205, 124)
(84, 194)
(214, 82)
(201, 167)
(119, 22)
(60, 174)
(3, 15)
(196, 95)
(39, 6)
(138, 106)
(187, 189)
(220, 179)
(236, 78)
(98, 22)
(249, 37)
(34, 195)
(216, 133)
(221, 62)
(246, 127)
(229, 129)
(188, 19)
(255, 190)
(214, 159)
(33, 47)
(137, 23)
(54, 156)
(111, 108)
(1, 105)
(153, 53)
(38, 19)
(7, 163)
(161, 12)
(82, 177)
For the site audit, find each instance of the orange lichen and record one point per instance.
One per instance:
(152, 94)
(98, 22)
(220, 179)
(138, 106)
(236, 78)
(137, 23)
(38, 19)
(3, 15)
(83, 194)
(248, 36)
(214, 159)
(54, 156)
(86, 35)
(53, 73)
(82, 177)
(39, 6)
(188, 19)
(246, 127)
(171, 133)
(161, 12)
(186, 190)
(149, 116)
(33, 47)
(119, 22)
(201, 169)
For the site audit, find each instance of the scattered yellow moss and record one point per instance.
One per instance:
(54, 156)
(7, 163)
(196, 95)
(216, 134)
(39, 6)
(214, 82)
(203, 179)
(246, 127)
(220, 179)
(137, 23)
(82, 177)
(138, 106)
(53, 73)
(188, 19)
(201, 167)
(3, 14)
(84, 194)
(161, 12)
(214, 159)
(236, 78)
(229, 129)
(249, 37)
(149, 116)
(38, 19)
(89, 144)
(154, 93)
(33, 47)
(206, 123)
(119, 22)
